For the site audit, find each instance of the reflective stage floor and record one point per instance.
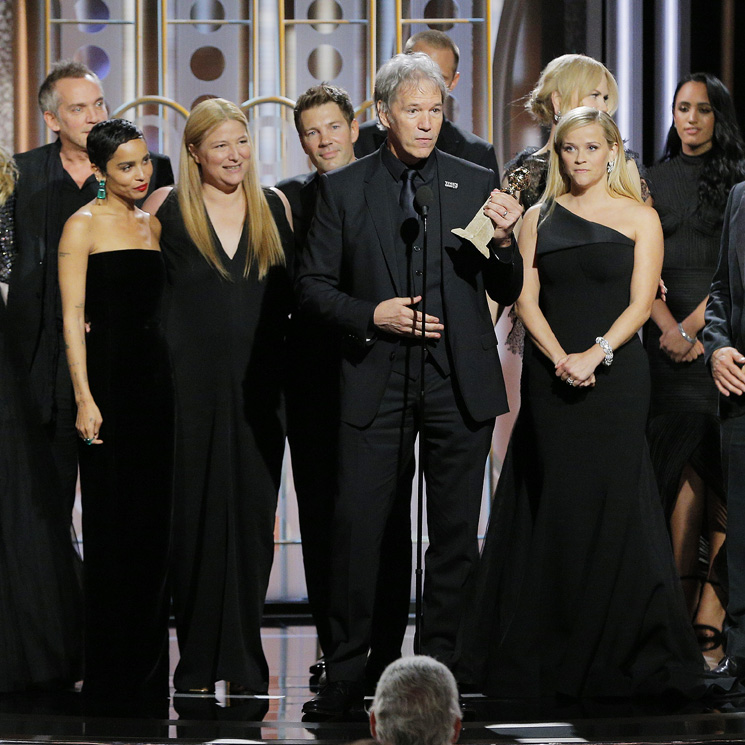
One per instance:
(290, 649)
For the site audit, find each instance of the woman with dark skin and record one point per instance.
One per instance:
(704, 157)
(111, 278)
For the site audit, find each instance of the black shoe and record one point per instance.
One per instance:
(336, 700)
(318, 667)
(729, 667)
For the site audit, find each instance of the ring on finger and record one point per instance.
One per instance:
(88, 440)
(504, 214)
(571, 381)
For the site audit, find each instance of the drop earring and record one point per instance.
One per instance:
(101, 189)
(609, 166)
(557, 116)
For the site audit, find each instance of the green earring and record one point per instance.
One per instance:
(101, 189)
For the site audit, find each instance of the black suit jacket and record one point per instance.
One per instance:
(452, 140)
(725, 319)
(301, 193)
(32, 308)
(350, 266)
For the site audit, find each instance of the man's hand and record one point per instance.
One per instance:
(726, 367)
(504, 211)
(396, 317)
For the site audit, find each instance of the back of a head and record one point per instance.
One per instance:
(572, 76)
(416, 703)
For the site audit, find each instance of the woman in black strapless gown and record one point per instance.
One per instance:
(227, 246)
(110, 263)
(576, 593)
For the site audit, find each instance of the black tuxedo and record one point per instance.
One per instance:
(33, 296)
(350, 266)
(725, 327)
(312, 428)
(452, 140)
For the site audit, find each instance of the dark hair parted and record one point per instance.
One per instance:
(434, 39)
(321, 94)
(105, 137)
(48, 100)
(725, 162)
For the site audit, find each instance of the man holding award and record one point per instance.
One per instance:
(367, 269)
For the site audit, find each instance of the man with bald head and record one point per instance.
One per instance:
(453, 139)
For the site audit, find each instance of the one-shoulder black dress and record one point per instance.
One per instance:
(576, 593)
(126, 482)
(227, 340)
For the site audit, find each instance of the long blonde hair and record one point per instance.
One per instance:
(264, 245)
(572, 76)
(8, 175)
(620, 182)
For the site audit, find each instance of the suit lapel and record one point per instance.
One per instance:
(737, 232)
(375, 185)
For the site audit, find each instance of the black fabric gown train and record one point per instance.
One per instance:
(576, 593)
(41, 604)
(227, 340)
(126, 482)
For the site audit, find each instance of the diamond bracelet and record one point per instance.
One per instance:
(607, 350)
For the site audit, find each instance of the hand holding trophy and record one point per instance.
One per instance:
(481, 229)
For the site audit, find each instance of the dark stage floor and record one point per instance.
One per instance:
(60, 717)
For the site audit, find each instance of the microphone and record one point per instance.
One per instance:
(423, 200)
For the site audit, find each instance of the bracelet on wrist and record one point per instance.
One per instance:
(607, 350)
(689, 339)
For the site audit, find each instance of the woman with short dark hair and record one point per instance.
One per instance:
(111, 277)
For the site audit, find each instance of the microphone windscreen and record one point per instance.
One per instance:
(423, 199)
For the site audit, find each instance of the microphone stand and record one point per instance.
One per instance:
(419, 574)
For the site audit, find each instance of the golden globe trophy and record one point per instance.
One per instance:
(481, 229)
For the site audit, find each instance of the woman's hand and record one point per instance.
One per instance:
(675, 346)
(580, 367)
(88, 422)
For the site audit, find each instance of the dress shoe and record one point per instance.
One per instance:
(318, 667)
(731, 668)
(336, 700)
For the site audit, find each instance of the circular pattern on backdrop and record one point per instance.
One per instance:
(207, 63)
(199, 99)
(325, 10)
(92, 10)
(441, 9)
(207, 10)
(325, 62)
(95, 58)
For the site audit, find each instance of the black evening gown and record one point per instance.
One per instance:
(683, 423)
(576, 593)
(41, 605)
(126, 482)
(227, 340)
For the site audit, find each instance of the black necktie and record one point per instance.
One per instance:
(406, 199)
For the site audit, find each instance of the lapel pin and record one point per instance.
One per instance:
(451, 184)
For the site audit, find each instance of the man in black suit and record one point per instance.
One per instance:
(363, 273)
(724, 344)
(54, 181)
(453, 140)
(324, 119)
